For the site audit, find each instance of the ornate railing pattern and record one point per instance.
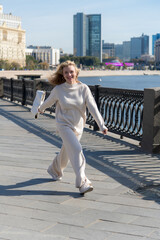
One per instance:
(121, 109)
(19, 90)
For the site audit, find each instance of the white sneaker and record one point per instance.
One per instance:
(54, 177)
(85, 188)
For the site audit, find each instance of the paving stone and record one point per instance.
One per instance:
(78, 232)
(32, 206)
(156, 234)
(122, 228)
(91, 204)
(138, 211)
(19, 234)
(121, 236)
(147, 222)
(127, 201)
(24, 222)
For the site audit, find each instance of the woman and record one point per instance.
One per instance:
(71, 98)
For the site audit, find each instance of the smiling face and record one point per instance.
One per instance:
(70, 74)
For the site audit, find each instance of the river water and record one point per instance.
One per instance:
(126, 82)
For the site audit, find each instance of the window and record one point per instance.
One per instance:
(5, 35)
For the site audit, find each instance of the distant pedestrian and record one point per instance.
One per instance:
(71, 98)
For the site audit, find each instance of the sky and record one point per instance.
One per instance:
(50, 22)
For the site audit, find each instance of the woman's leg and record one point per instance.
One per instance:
(59, 164)
(73, 150)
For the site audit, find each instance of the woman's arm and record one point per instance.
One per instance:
(93, 109)
(49, 101)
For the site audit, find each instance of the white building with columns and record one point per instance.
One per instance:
(45, 54)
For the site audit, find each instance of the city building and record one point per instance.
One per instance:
(126, 51)
(119, 51)
(136, 47)
(87, 39)
(154, 39)
(157, 51)
(45, 54)
(12, 38)
(145, 44)
(139, 46)
(108, 49)
(147, 58)
(80, 35)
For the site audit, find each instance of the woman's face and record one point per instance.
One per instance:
(69, 74)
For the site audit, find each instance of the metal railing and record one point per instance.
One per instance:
(121, 109)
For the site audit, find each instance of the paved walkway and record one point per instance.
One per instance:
(125, 203)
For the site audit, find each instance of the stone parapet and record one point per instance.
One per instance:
(151, 120)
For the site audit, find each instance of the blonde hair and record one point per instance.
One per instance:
(57, 77)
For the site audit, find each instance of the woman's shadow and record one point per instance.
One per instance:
(14, 190)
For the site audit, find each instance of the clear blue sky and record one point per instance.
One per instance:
(50, 22)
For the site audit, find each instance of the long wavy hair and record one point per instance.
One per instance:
(57, 77)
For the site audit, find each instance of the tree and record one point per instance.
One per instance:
(4, 64)
(15, 66)
(85, 61)
(44, 65)
(31, 62)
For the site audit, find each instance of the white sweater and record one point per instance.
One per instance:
(71, 101)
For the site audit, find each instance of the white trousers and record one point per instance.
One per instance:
(71, 150)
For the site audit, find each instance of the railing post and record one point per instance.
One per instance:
(11, 89)
(151, 121)
(1, 87)
(96, 92)
(23, 92)
(36, 86)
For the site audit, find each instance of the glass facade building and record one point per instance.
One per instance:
(126, 50)
(119, 51)
(108, 48)
(145, 44)
(154, 39)
(139, 46)
(136, 47)
(80, 35)
(95, 41)
(87, 35)
(157, 51)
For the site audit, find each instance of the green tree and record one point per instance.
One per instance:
(44, 65)
(4, 64)
(15, 66)
(85, 61)
(31, 62)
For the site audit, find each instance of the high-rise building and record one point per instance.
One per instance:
(154, 38)
(80, 35)
(126, 51)
(87, 35)
(108, 49)
(145, 44)
(139, 46)
(12, 38)
(157, 51)
(119, 51)
(136, 47)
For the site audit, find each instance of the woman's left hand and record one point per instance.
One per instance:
(105, 131)
(40, 111)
